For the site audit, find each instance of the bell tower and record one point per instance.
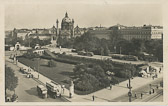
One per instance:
(57, 28)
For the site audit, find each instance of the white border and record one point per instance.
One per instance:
(99, 2)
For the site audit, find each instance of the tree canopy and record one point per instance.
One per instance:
(11, 81)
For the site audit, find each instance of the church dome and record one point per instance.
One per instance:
(66, 19)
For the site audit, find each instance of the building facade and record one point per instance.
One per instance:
(67, 27)
(145, 32)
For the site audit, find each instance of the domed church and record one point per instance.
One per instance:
(67, 27)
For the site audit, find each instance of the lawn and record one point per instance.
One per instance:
(61, 73)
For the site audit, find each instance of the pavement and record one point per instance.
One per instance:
(103, 95)
(145, 90)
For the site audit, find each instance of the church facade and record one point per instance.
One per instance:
(67, 27)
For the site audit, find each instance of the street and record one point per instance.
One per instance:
(158, 95)
(26, 89)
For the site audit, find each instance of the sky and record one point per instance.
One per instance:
(44, 15)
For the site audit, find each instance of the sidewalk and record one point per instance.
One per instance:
(104, 95)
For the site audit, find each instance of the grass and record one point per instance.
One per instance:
(60, 74)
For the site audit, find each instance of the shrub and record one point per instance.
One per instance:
(87, 83)
(31, 55)
(52, 63)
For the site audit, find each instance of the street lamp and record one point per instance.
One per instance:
(38, 67)
(129, 87)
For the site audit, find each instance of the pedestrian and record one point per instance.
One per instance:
(93, 97)
(160, 83)
(156, 75)
(127, 85)
(110, 86)
(153, 77)
(153, 90)
(150, 92)
(157, 87)
(135, 96)
(63, 86)
(70, 95)
(141, 95)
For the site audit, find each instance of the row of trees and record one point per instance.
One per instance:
(27, 41)
(115, 44)
(86, 42)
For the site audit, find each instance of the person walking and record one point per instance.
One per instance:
(110, 86)
(70, 95)
(157, 87)
(135, 96)
(153, 77)
(63, 86)
(141, 95)
(93, 97)
(153, 90)
(150, 92)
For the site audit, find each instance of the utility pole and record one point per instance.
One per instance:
(130, 92)
(129, 87)
(38, 67)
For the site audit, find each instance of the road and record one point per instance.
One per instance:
(26, 89)
(157, 96)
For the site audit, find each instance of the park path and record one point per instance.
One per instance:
(104, 95)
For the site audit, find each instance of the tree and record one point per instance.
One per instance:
(159, 52)
(130, 70)
(91, 74)
(11, 81)
(51, 63)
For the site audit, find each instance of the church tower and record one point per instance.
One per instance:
(57, 28)
(72, 33)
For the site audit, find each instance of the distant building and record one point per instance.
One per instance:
(146, 32)
(67, 27)
(100, 32)
(21, 33)
(78, 31)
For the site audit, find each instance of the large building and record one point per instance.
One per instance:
(67, 27)
(145, 32)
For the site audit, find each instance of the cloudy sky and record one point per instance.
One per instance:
(44, 15)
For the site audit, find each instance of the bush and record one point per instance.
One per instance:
(87, 83)
(31, 55)
(52, 63)
(125, 57)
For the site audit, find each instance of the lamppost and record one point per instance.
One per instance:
(129, 87)
(38, 67)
